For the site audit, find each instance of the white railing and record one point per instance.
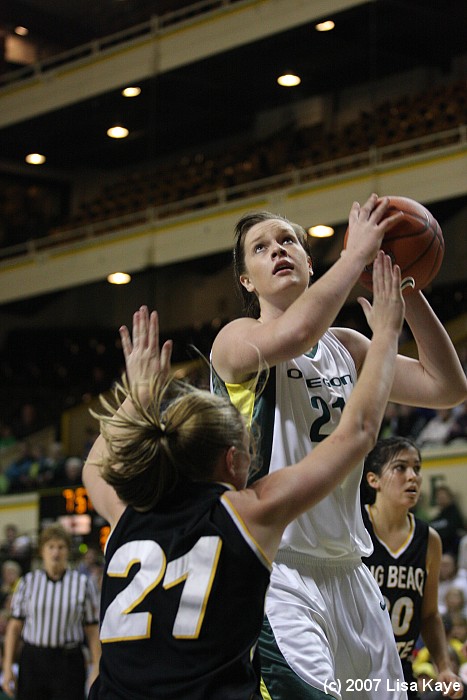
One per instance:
(373, 160)
(155, 26)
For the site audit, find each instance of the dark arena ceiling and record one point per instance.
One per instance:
(222, 94)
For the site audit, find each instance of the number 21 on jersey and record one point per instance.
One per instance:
(195, 570)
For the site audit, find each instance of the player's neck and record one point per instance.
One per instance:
(388, 520)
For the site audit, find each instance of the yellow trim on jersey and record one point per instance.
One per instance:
(395, 553)
(243, 398)
(264, 691)
(238, 520)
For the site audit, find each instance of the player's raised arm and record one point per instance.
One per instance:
(144, 362)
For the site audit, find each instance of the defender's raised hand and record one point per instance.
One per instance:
(387, 310)
(143, 357)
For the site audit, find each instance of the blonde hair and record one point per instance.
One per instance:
(178, 437)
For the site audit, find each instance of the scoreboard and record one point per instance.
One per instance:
(72, 508)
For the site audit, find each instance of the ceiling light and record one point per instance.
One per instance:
(131, 91)
(325, 26)
(117, 132)
(21, 31)
(35, 159)
(289, 80)
(321, 231)
(118, 278)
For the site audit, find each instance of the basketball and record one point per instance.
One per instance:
(415, 243)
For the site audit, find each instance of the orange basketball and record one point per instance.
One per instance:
(415, 243)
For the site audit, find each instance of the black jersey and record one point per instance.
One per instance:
(182, 602)
(401, 577)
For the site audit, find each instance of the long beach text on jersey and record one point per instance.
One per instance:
(402, 577)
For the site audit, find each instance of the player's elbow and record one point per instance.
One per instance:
(369, 430)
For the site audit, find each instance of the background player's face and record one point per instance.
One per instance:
(400, 479)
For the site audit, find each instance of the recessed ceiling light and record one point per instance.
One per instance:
(21, 31)
(131, 91)
(35, 159)
(118, 278)
(325, 26)
(117, 132)
(321, 231)
(289, 80)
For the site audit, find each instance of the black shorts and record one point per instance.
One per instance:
(51, 674)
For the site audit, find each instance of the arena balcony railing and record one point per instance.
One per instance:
(155, 26)
(373, 160)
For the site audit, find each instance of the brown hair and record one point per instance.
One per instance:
(54, 532)
(250, 300)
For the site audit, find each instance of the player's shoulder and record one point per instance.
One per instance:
(354, 342)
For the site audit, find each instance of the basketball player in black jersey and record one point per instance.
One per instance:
(189, 556)
(406, 557)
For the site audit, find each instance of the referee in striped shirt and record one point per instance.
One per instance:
(53, 609)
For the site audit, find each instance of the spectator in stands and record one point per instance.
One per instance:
(456, 602)
(71, 472)
(28, 421)
(7, 439)
(405, 421)
(52, 465)
(92, 564)
(10, 574)
(449, 521)
(428, 690)
(437, 429)
(449, 577)
(16, 547)
(458, 429)
(23, 473)
(423, 663)
(459, 628)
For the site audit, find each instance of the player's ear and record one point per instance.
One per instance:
(247, 283)
(372, 480)
(310, 266)
(230, 461)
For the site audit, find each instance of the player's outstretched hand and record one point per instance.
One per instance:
(387, 310)
(143, 357)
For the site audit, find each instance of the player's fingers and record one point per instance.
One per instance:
(370, 205)
(396, 280)
(126, 341)
(388, 222)
(144, 324)
(153, 340)
(166, 354)
(354, 212)
(136, 330)
(387, 274)
(378, 273)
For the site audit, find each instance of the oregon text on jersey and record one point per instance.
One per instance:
(316, 382)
